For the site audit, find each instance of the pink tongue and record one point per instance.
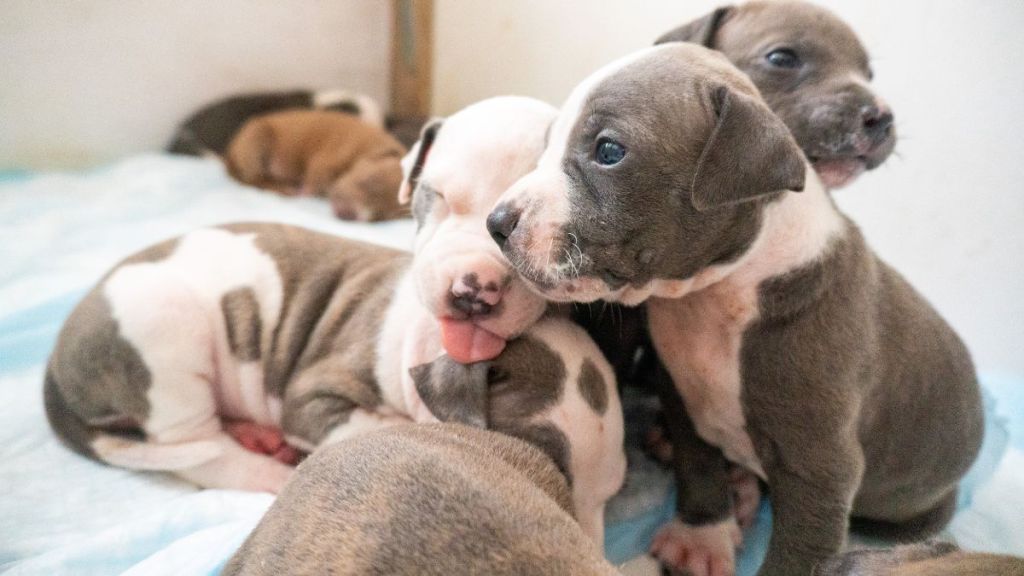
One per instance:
(467, 343)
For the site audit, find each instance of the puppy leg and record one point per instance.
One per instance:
(239, 469)
(703, 537)
(172, 331)
(327, 402)
(812, 495)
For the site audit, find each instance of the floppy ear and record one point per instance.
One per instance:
(700, 31)
(750, 153)
(454, 392)
(412, 164)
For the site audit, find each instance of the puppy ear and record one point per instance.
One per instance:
(701, 31)
(454, 392)
(412, 164)
(750, 153)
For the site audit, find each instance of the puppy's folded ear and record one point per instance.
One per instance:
(750, 153)
(701, 31)
(412, 164)
(454, 392)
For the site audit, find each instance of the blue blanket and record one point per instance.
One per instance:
(60, 513)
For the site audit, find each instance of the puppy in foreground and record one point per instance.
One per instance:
(437, 500)
(813, 72)
(210, 129)
(799, 354)
(326, 338)
(355, 165)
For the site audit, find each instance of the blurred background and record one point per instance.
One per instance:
(88, 83)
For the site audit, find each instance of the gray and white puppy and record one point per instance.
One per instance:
(438, 499)
(325, 338)
(932, 558)
(813, 72)
(797, 351)
(210, 129)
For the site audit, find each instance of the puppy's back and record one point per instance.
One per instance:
(439, 499)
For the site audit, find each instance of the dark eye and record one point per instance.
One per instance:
(609, 152)
(783, 58)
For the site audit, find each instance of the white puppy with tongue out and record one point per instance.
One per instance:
(455, 174)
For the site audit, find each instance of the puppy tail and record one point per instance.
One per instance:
(129, 450)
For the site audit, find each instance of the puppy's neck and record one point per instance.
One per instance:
(796, 230)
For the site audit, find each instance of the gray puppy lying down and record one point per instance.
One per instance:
(798, 353)
(437, 499)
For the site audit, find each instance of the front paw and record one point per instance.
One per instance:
(706, 550)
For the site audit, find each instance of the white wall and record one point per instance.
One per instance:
(86, 81)
(947, 211)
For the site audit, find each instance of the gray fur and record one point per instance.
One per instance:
(592, 387)
(344, 513)
(320, 360)
(501, 394)
(820, 103)
(241, 313)
(860, 400)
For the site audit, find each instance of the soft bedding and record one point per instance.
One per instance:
(63, 514)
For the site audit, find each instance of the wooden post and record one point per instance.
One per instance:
(411, 64)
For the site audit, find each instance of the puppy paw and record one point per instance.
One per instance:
(746, 496)
(708, 550)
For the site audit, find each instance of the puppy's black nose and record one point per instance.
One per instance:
(877, 122)
(502, 222)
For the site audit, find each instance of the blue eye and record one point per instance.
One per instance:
(783, 58)
(609, 152)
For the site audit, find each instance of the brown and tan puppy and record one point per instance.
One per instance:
(334, 155)
(924, 559)
(813, 72)
(209, 129)
(434, 499)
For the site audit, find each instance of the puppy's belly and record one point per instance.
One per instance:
(203, 315)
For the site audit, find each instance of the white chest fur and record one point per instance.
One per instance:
(699, 335)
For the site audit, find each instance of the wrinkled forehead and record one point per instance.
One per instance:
(482, 150)
(654, 89)
(798, 25)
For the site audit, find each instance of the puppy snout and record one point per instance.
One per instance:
(474, 296)
(878, 120)
(502, 222)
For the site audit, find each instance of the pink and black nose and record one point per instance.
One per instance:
(877, 121)
(502, 222)
(474, 296)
